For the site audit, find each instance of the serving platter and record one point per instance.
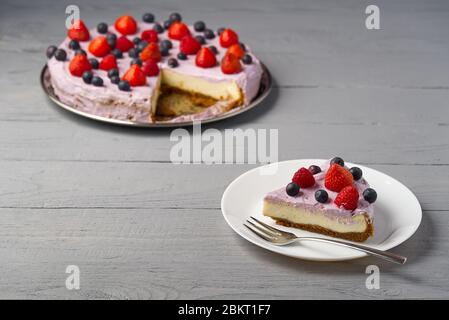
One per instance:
(264, 90)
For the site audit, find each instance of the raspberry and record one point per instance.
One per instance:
(303, 178)
(189, 45)
(347, 198)
(337, 177)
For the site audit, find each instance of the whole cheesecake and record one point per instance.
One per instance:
(330, 199)
(120, 71)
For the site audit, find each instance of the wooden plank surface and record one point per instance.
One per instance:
(108, 199)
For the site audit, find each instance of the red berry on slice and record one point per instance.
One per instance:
(230, 64)
(149, 36)
(189, 45)
(237, 50)
(337, 177)
(135, 76)
(126, 25)
(99, 46)
(303, 178)
(151, 52)
(205, 58)
(228, 37)
(124, 44)
(109, 62)
(347, 198)
(79, 65)
(78, 31)
(151, 68)
(178, 30)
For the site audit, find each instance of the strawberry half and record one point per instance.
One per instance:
(151, 52)
(189, 45)
(230, 64)
(303, 178)
(347, 198)
(149, 36)
(124, 44)
(135, 76)
(151, 68)
(228, 37)
(178, 30)
(126, 25)
(337, 177)
(205, 58)
(79, 64)
(99, 46)
(237, 50)
(109, 62)
(78, 31)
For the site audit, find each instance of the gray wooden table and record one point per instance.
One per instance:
(108, 199)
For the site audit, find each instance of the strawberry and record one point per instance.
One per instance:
(178, 30)
(337, 177)
(303, 178)
(149, 36)
(99, 46)
(109, 62)
(152, 52)
(126, 25)
(230, 64)
(236, 50)
(189, 45)
(151, 68)
(135, 76)
(228, 37)
(347, 198)
(124, 44)
(205, 58)
(79, 64)
(78, 31)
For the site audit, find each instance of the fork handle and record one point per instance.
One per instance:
(374, 252)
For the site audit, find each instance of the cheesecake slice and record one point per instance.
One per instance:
(331, 199)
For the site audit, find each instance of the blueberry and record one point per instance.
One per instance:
(200, 39)
(94, 63)
(209, 34)
(314, 169)
(51, 51)
(87, 76)
(136, 40)
(356, 173)
(172, 62)
(158, 28)
(175, 17)
(166, 44)
(164, 52)
(97, 81)
(112, 36)
(115, 79)
(136, 61)
(338, 161)
(220, 30)
(199, 26)
(80, 51)
(112, 72)
(102, 28)
(167, 24)
(133, 53)
(370, 195)
(182, 56)
(142, 45)
(60, 55)
(148, 17)
(111, 42)
(292, 189)
(124, 85)
(74, 45)
(214, 49)
(321, 196)
(242, 45)
(246, 59)
(117, 53)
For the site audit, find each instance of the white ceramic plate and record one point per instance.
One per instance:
(397, 211)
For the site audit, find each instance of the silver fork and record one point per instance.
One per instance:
(280, 238)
